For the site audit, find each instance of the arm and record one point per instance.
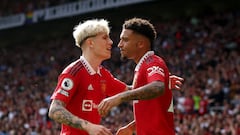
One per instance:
(59, 113)
(127, 130)
(149, 91)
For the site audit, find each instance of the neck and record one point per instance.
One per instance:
(139, 56)
(93, 61)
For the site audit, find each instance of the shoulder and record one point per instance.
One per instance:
(73, 68)
(154, 59)
(104, 71)
(155, 63)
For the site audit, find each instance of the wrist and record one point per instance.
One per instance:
(86, 125)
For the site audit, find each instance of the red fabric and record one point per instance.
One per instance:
(153, 117)
(82, 92)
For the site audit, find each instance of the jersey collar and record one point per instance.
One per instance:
(144, 57)
(88, 67)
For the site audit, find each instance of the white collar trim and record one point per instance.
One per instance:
(144, 57)
(88, 67)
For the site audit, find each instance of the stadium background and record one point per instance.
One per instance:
(199, 41)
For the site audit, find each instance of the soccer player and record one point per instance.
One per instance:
(84, 83)
(153, 100)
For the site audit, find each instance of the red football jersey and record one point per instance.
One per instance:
(82, 89)
(154, 116)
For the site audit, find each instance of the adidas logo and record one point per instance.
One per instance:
(90, 87)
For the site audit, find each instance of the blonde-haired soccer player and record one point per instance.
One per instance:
(84, 83)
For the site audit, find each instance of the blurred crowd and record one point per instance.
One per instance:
(10, 7)
(204, 50)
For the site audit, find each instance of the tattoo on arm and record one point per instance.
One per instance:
(59, 113)
(148, 91)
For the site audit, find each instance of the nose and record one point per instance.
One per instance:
(119, 44)
(110, 41)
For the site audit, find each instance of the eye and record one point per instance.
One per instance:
(124, 39)
(106, 37)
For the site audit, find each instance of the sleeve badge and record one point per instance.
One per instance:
(67, 84)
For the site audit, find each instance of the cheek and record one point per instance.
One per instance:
(131, 50)
(128, 46)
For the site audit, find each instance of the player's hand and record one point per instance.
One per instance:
(106, 104)
(94, 129)
(124, 131)
(175, 82)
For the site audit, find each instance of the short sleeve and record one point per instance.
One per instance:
(65, 88)
(114, 86)
(155, 72)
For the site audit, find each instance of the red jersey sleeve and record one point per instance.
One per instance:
(155, 72)
(114, 86)
(65, 88)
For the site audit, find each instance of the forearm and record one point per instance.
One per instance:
(59, 113)
(131, 125)
(148, 91)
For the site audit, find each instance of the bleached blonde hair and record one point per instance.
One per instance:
(89, 28)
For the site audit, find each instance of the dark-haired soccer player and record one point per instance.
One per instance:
(153, 101)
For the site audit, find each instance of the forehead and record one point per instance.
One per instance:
(130, 34)
(126, 33)
(102, 34)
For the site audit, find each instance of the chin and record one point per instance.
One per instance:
(123, 58)
(108, 57)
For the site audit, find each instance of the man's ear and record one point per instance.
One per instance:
(90, 42)
(140, 44)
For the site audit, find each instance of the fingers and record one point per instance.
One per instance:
(179, 78)
(175, 82)
(178, 85)
(94, 129)
(107, 131)
(102, 108)
(107, 104)
(102, 131)
(174, 77)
